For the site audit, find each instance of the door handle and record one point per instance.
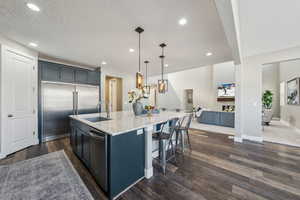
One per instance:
(76, 108)
(74, 102)
(95, 135)
(10, 115)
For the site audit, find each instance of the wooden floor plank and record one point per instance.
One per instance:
(216, 169)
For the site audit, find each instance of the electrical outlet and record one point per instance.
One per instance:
(140, 131)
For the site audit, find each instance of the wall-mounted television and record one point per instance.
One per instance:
(226, 92)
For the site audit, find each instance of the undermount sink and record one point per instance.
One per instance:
(97, 119)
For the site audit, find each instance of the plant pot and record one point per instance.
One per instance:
(267, 116)
(137, 108)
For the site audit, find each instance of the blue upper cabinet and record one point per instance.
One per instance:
(94, 77)
(67, 74)
(62, 73)
(81, 76)
(50, 71)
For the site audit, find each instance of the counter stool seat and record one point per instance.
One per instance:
(182, 130)
(165, 142)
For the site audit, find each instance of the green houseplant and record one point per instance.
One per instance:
(267, 99)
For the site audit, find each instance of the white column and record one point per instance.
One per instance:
(148, 152)
(238, 104)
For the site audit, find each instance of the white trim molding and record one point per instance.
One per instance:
(2, 156)
(252, 138)
(247, 137)
(238, 139)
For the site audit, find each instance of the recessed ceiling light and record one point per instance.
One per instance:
(182, 21)
(32, 44)
(103, 63)
(33, 7)
(209, 54)
(166, 65)
(131, 50)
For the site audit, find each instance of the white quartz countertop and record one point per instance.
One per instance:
(125, 121)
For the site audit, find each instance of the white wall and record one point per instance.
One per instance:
(270, 81)
(128, 84)
(251, 87)
(253, 42)
(198, 79)
(290, 113)
(203, 81)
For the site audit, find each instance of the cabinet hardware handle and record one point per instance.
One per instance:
(94, 134)
(9, 115)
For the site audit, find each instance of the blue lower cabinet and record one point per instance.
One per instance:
(126, 161)
(227, 119)
(115, 162)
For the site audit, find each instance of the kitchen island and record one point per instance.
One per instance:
(117, 151)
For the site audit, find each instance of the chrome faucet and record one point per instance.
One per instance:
(98, 106)
(107, 108)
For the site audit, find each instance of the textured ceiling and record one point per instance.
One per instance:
(91, 31)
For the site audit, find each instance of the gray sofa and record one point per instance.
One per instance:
(217, 118)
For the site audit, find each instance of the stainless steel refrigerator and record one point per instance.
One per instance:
(59, 100)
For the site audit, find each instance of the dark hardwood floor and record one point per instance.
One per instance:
(216, 169)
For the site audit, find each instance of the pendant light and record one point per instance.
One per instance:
(139, 75)
(162, 83)
(147, 87)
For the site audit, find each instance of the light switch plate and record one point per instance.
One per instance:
(140, 131)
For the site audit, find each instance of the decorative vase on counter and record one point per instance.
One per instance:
(137, 108)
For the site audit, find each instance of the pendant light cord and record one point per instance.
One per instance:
(162, 64)
(139, 52)
(146, 74)
(162, 69)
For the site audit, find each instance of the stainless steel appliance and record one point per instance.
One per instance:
(59, 100)
(91, 147)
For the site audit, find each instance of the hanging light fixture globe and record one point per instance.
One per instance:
(162, 83)
(139, 75)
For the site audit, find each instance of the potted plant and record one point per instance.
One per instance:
(267, 100)
(135, 97)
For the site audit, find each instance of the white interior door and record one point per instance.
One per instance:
(18, 101)
(113, 94)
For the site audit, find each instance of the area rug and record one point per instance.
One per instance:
(47, 177)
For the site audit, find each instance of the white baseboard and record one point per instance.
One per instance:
(276, 118)
(149, 173)
(252, 138)
(36, 141)
(238, 139)
(2, 155)
(247, 137)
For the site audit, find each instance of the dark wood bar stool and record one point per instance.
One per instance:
(183, 129)
(165, 143)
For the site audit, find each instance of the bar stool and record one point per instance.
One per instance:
(165, 142)
(183, 129)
